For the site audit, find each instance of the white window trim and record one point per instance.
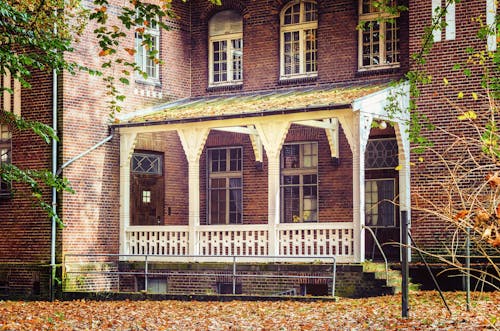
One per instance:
(491, 11)
(436, 8)
(155, 34)
(374, 16)
(395, 195)
(300, 27)
(7, 145)
(228, 38)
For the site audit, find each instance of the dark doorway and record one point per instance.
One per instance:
(147, 189)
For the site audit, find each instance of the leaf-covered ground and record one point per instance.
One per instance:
(381, 313)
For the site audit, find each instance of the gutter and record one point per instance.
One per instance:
(79, 156)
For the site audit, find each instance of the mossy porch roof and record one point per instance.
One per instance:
(255, 104)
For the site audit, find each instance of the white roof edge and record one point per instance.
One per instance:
(149, 110)
(375, 103)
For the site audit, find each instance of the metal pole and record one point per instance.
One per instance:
(404, 263)
(431, 274)
(333, 276)
(146, 273)
(234, 275)
(467, 268)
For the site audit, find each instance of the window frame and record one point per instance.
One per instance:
(301, 28)
(227, 37)
(227, 175)
(5, 144)
(301, 172)
(393, 180)
(382, 19)
(144, 60)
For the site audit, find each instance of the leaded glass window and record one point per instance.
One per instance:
(144, 163)
(381, 154)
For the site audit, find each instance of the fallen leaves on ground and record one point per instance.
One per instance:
(379, 313)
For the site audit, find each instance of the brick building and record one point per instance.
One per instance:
(264, 134)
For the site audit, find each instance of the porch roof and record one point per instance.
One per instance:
(248, 104)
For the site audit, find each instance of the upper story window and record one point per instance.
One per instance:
(147, 51)
(299, 182)
(225, 185)
(378, 36)
(5, 156)
(299, 23)
(225, 31)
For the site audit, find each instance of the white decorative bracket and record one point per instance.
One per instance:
(193, 140)
(331, 127)
(332, 134)
(272, 136)
(251, 131)
(127, 144)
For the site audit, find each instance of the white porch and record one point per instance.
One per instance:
(267, 129)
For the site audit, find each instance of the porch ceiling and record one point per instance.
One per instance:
(254, 104)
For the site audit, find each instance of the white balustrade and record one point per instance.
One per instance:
(293, 239)
(155, 240)
(316, 239)
(227, 240)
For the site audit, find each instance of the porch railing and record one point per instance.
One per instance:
(292, 240)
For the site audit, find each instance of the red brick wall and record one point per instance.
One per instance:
(25, 228)
(92, 213)
(440, 104)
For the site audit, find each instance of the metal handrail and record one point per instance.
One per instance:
(381, 251)
(234, 274)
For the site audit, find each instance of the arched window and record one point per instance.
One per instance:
(299, 23)
(225, 30)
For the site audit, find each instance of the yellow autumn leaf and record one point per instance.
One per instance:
(399, 167)
(460, 95)
(468, 115)
(474, 95)
(420, 159)
(445, 81)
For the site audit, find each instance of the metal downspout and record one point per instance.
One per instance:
(54, 191)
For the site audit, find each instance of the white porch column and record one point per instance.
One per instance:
(193, 140)
(127, 143)
(404, 172)
(362, 124)
(273, 135)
